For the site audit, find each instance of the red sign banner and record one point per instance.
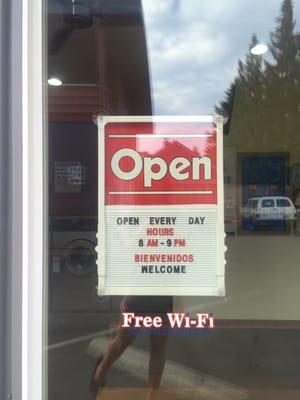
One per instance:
(161, 163)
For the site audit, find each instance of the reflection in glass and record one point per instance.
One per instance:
(175, 57)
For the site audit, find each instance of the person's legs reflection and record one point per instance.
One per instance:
(158, 345)
(141, 305)
(113, 352)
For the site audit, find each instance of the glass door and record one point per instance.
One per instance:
(176, 59)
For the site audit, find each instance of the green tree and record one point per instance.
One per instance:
(264, 98)
(245, 97)
(225, 107)
(282, 44)
(282, 79)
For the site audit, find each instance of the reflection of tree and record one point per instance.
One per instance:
(265, 96)
(226, 106)
(246, 91)
(282, 78)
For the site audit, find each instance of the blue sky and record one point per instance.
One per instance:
(194, 47)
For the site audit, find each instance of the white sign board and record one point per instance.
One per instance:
(161, 218)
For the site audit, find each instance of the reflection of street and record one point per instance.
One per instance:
(226, 364)
(263, 278)
(183, 381)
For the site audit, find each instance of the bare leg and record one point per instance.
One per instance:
(158, 345)
(113, 352)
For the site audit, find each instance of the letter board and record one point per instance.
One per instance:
(161, 218)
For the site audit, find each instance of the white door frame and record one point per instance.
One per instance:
(34, 208)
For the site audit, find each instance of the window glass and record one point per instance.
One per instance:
(282, 203)
(178, 58)
(267, 203)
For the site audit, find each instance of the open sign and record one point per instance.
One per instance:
(179, 167)
(160, 206)
(161, 163)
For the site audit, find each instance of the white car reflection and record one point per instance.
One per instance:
(268, 210)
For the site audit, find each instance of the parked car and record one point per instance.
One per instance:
(268, 211)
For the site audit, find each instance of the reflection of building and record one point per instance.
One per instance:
(109, 75)
(230, 191)
(175, 148)
(263, 159)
